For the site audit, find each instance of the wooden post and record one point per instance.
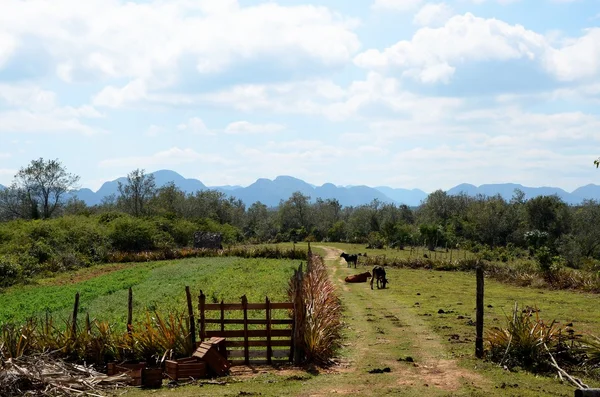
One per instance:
(268, 315)
(129, 311)
(192, 320)
(201, 303)
(74, 318)
(297, 352)
(222, 316)
(479, 314)
(246, 345)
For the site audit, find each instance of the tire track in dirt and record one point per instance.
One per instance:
(433, 365)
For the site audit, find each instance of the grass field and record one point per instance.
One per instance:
(384, 327)
(156, 285)
(425, 315)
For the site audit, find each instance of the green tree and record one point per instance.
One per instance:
(39, 189)
(137, 192)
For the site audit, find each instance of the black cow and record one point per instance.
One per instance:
(379, 275)
(350, 258)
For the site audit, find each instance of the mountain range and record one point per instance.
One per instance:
(270, 192)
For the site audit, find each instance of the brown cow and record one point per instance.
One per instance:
(358, 278)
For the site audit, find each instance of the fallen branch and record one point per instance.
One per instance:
(561, 371)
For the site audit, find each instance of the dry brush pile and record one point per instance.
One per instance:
(320, 318)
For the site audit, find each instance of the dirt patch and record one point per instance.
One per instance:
(87, 274)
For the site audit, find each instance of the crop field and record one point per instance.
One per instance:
(156, 286)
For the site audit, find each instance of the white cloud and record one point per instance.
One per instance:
(433, 14)
(577, 59)
(154, 130)
(151, 40)
(398, 5)
(245, 127)
(166, 158)
(196, 126)
(30, 109)
(431, 54)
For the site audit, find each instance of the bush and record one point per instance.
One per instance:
(131, 234)
(10, 270)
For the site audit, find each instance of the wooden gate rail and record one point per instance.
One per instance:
(238, 341)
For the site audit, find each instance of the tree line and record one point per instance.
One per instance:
(143, 216)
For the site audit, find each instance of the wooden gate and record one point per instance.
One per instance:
(249, 340)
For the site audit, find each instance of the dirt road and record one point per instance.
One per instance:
(382, 333)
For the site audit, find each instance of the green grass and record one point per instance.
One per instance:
(406, 253)
(156, 285)
(383, 326)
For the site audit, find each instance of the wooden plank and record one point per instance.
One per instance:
(251, 333)
(222, 316)
(192, 321)
(282, 305)
(260, 343)
(251, 306)
(268, 320)
(202, 308)
(250, 321)
(246, 351)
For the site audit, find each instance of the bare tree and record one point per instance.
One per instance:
(135, 194)
(37, 190)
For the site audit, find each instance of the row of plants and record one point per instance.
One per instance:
(153, 339)
(530, 343)
(522, 273)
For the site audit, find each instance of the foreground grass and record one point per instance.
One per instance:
(156, 285)
(383, 326)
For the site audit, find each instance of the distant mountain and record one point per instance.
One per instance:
(404, 196)
(225, 187)
(161, 178)
(271, 192)
(506, 190)
(591, 192)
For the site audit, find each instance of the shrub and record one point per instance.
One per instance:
(10, 270)
(131, 234)
(524, 340)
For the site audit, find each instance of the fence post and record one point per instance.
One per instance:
(479, 314)
(268, 315)
(297, 352)
(129, 311)
(246, 345)
(222, 316)
(201, 303)
(192, 320)
(74, 318)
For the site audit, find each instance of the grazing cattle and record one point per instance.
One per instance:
(350, 258)
(358, 278)
(379, 275)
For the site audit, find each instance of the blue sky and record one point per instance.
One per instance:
(404, 93)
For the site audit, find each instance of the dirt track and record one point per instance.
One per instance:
(382, 328)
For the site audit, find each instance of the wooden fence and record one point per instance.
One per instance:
(244, 345)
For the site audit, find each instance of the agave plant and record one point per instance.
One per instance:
(524, 340)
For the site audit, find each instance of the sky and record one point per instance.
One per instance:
(402, 93)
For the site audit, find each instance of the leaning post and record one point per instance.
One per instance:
(479, 314)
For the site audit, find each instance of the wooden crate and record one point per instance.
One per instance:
(209, 353)
(133, 370)
(152, 377)
(185, 368)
